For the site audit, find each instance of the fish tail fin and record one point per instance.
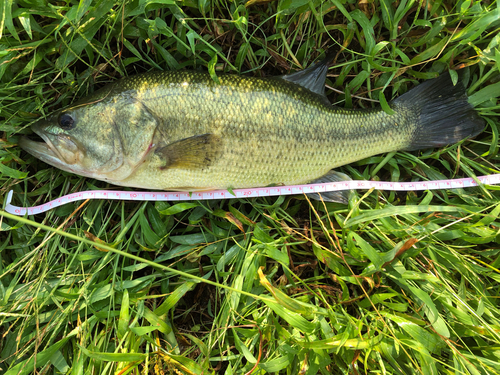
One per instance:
(444, 116)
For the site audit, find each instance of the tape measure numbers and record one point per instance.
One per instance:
(249, 193)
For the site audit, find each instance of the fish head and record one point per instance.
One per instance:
(104, 140)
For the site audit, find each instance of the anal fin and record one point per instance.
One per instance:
(341, 196)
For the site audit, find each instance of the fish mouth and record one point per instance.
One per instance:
(46, 150)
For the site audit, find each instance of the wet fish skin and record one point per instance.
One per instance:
(183, 131)
(268, 132)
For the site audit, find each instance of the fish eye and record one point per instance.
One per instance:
(66, 122)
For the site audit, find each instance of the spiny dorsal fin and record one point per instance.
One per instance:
(199, 151)
(314, 77)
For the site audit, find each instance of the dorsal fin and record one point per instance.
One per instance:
(314, 77)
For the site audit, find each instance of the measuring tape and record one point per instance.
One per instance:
(250, 193)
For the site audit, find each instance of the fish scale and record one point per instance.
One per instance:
(272, 133)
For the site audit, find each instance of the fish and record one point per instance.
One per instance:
(183, 131)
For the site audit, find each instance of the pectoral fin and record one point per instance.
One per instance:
(341, 196)
(197, 152)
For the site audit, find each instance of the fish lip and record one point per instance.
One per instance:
(42, 151)
(45, 151)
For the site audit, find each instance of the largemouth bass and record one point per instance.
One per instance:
(183, 131)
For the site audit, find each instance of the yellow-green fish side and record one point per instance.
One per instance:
(268, 131)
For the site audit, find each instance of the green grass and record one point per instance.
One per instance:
(395, 283)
